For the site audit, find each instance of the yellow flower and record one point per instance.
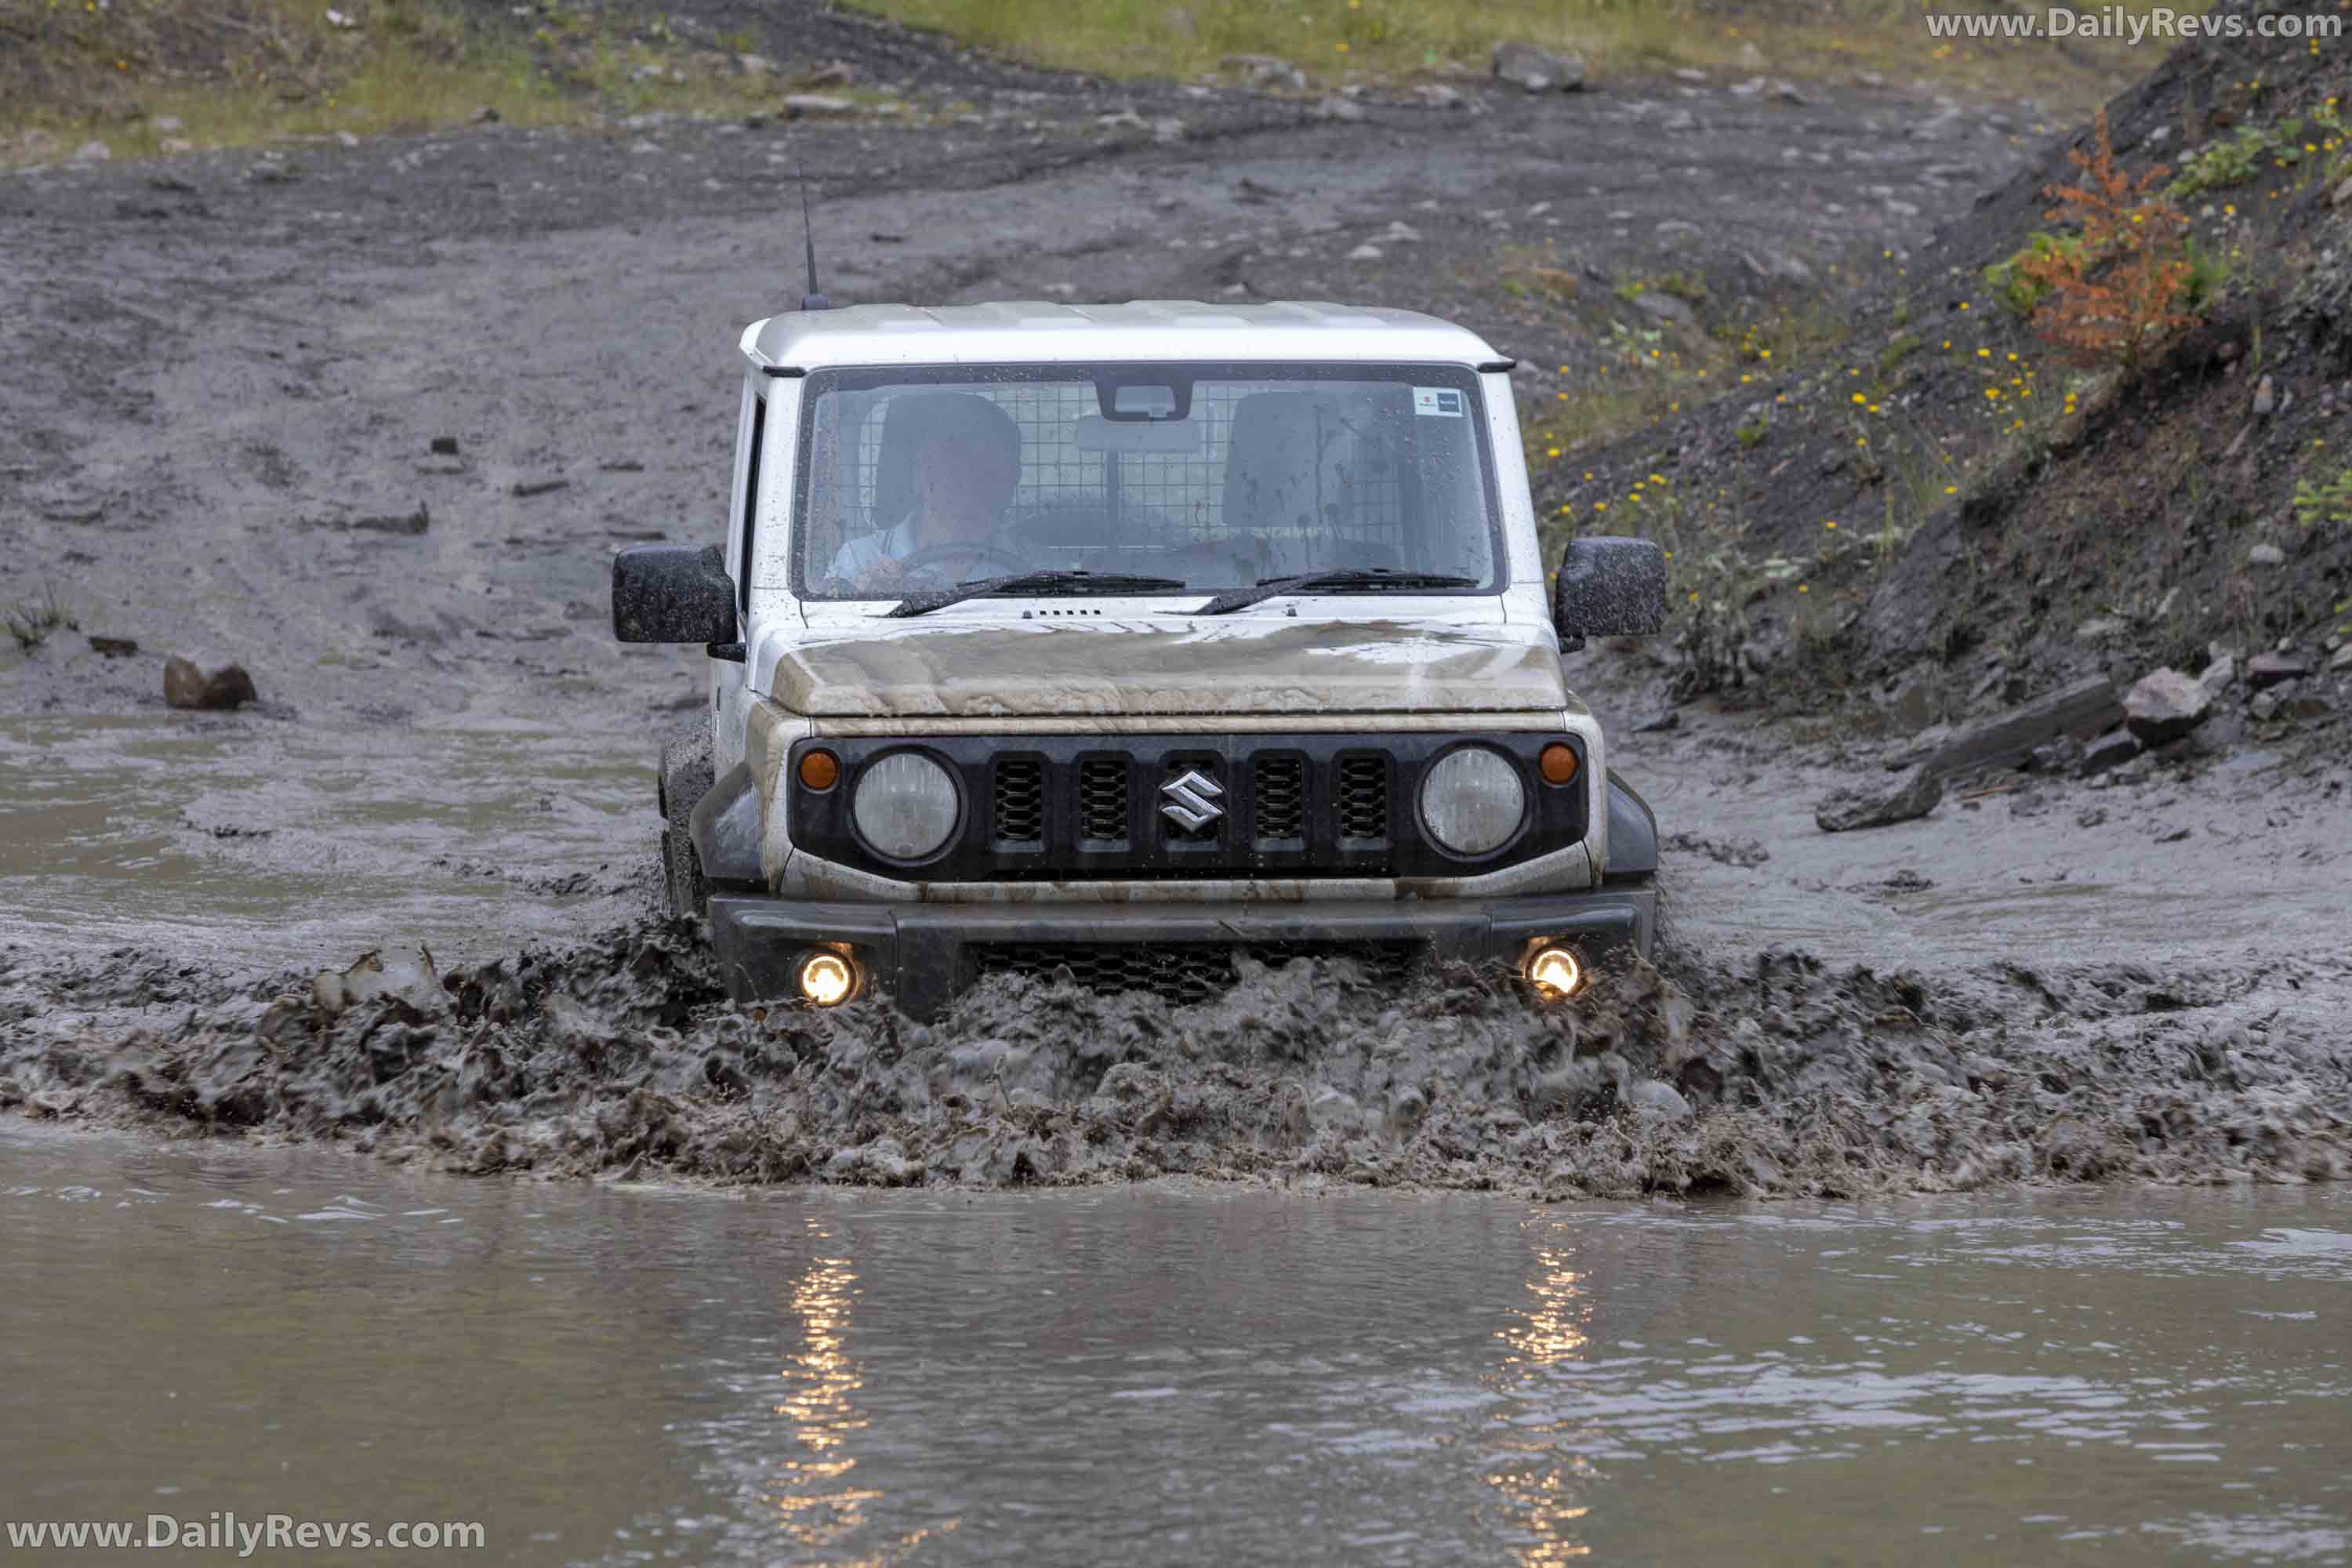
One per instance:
(1551, 451)
(1951, 489)
(1600, 506)
(1657, 478)
(1964, 304)
(1831, 523)
(1801, 588)
(1858, 397)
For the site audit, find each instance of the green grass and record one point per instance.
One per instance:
(147, 77)
(1337, 40)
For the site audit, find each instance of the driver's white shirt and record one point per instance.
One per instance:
(861, 554)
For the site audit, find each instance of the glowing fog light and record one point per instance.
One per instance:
(1554, 973)
(826, 979)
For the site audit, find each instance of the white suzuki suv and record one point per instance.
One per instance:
(1116, 639)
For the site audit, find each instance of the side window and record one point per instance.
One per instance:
(750, 502)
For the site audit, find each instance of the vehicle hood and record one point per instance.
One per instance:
(1029, 669)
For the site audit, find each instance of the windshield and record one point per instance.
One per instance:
(1214, 477)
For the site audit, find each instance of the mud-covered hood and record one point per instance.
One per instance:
(1000, 670)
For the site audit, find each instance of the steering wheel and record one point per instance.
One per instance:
(931, 555)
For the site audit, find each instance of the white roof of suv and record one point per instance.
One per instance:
(1038, 332)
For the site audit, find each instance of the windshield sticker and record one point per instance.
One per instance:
(1438, 402)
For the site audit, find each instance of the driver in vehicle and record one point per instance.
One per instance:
(965, 469)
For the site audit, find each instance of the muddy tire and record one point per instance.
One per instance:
(686, 777)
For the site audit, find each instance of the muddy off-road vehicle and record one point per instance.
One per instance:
(1124, 639)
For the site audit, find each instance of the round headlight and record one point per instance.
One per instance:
(906, 806)
(1472, 801)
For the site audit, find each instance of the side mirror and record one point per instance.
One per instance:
(1608, 588)
(672, 592)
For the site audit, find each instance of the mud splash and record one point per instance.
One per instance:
(622, 1055)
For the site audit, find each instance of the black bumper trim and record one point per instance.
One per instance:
(917, 953)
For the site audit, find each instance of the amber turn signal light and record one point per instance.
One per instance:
(819, 771)
(1556, 761)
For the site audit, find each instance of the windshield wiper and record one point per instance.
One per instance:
(1041, 582)
(1375, 579)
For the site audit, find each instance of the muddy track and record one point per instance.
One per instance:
(236, 367)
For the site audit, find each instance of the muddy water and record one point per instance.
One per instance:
(249, 840)
(1170, 1373)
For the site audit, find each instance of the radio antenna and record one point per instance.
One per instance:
(813, 299)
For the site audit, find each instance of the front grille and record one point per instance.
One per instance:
(1178, 972)
(1281, 797)
(1045, 807)
(1102, 797)
(1020, 796)
(1362, 797)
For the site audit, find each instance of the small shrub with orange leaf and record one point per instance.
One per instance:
(2122, 292)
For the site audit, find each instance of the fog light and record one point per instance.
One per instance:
(1554, 973)
(826, 979)
(1558, 763)
(819, 771)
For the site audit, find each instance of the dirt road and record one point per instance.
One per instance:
(228, 374)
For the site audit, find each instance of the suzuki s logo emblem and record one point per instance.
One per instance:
(1192, 802)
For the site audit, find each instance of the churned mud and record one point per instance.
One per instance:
(1789, 1076)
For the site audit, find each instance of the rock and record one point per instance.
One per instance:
(2087, 708)
(1167, 130)
(176, 144)
(113, 647)
(1665, 308)
(1687, 73)
(1267, 70)
(797, 104)
(1659, 1099)
(445, 445)
(93, 151)
(485, 115)
(185, 686)
(831, 73)
(1671, 718)
(167, 126)
(1341, 108)
(1912, 795)
(2216, 678)
(2166, 705)
(2100, 630)
(1365, 253)
(1120, 120)
(411, 524)
(2265, 396)
(528, 487)
(1437, 95)
(2264, 707)
(2342, 196)
(754, 65)
(2265, 669)
(1537, 70)
(1751, 58)
(2265, 555)
(2343, 660)
(1786, 91)
(1753, 86)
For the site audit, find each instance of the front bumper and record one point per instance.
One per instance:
(923, 955)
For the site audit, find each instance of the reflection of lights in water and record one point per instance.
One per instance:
(1550, 1331)
(819, 1504)
(1539, 1486)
